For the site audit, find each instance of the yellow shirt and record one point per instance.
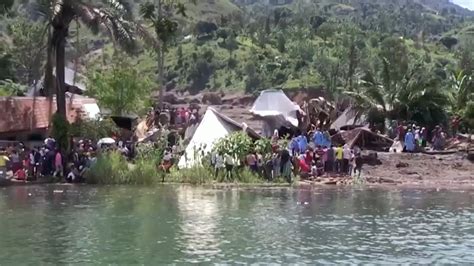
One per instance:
(339, 153)
(3, 160)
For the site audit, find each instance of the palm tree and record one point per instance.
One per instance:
(462, 87)
(161, 19)
(111, 16)
(418, 96)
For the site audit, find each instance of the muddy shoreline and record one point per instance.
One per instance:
(440, 172)
(451, 171)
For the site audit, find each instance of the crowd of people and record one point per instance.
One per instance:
(307, 155)
(313, 154)
(20, 163)
(415, 138)
(174, 116)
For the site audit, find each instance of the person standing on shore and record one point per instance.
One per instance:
(252, 162)
(58, 164)
(347, 155)
(409, 141)
(276, 168)
(358, 164)
(229, 166)
(329, 162)
(275, 137)
(302, 143)
(318, 138)
(424, 136)
(285, 164)
(16, 162)
(218, 163)
(3, 163)
(339, 157)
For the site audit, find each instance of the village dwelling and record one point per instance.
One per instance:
(29, 118)
(276, 111)
(213, 127)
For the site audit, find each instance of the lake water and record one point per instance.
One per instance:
(182, 224)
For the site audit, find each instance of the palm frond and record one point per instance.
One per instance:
(48, 9)
(57, 7)
(121, 7)
(119, 29)
(149, 39)
(147, 11)
(90, 16)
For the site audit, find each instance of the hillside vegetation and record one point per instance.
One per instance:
(411, 59)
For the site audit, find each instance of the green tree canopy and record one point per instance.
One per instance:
(120, 88)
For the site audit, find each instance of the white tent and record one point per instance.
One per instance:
(213, 127)
(276, 109)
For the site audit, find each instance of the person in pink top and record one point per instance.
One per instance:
(58, 164)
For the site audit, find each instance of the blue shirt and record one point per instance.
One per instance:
(302, 143)
(318, 138)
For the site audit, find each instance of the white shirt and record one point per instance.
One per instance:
(219, 163)
(229, 160)
(346, 153)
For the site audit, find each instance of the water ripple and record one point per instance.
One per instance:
(180, 225)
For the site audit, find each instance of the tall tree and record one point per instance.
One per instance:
(112, 16)
(160, 14)
(5, 5)
(28, 43)
(120, 88)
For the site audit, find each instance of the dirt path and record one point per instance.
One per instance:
(434, 171)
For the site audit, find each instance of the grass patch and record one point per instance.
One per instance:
(200, 175)
(111, 168)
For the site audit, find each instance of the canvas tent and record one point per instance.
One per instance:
(349, 119)
(213, 126)
(276, 110)
(363, 138)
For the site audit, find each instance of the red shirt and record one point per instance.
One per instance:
(303, 166)
(20, 174)
(401, 132)
(308, 158)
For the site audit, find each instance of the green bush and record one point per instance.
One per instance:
(244, 175)
(238, 145)
(112, 168)
(94, 129)
(143, 173)
(152, 152)
(194, 175)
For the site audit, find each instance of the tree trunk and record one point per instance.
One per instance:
(161, 55)
(49, 84)
(60, 63)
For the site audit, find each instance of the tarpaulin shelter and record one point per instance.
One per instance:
(349, 119)
(276, 110)
(213, 127)
(125, 122)
(362, 137)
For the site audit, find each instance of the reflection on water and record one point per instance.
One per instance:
(180, 224)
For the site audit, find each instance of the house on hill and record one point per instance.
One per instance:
(29, 118)
(74, 83)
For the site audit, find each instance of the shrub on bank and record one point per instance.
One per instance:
(206, 174)
(195, 175)
(112, 168)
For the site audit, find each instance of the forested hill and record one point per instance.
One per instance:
(378, 52)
